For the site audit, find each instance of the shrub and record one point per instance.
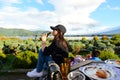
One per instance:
(108, 54)
(117, 50)
(26, 59)
(9, 61)
(76, 46)
(84, 38)
(104, 37)
(101, 46)
(116, 39)
(95, 38)
(84, 52)
(2, 57)
(90, 47)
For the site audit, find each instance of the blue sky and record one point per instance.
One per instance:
(78, 16)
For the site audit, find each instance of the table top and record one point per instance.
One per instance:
(89, 62)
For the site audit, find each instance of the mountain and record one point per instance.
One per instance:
(115, 30)
(18, 32)
(23, 32)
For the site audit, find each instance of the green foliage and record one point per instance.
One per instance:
(104, 37)
(15, 32)
(9, 61)
(95, 42)
(2, 57)
(84, 39)
(16, 46)
(1, 34)
(76, 46)
(108, 43)
(11, 47)
(101, 46)
(96, 38)
(117, 50)
(116, 39)
(108, 54)
(18, 32)
(1, 45)
(25, 51)
(89, 47)
(26, 59)
(84, 52)
(70, 54)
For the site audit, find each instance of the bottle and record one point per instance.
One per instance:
(48, 33)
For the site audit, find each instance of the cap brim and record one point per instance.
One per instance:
(53, 28)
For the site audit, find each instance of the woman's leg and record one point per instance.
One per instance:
(42, 61)
(47, 59)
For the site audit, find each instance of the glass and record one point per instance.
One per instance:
(65, 68)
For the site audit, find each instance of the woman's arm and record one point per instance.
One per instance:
(43, 38)
(49, 50)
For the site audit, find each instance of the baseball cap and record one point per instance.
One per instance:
(59, 27)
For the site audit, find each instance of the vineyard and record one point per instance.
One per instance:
(23, 54)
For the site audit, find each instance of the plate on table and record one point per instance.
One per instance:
(76, 75)
(115, 63)
(91, 70)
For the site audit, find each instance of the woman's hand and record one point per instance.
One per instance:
(44, 37)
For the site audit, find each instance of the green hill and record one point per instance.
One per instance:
(18, 32)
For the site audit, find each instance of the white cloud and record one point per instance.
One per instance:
(40, 1)
(74, 14)
(30, 19)
(9, 2)
(113, 8)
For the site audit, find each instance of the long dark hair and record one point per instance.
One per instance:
(95, 53)
(60, 40)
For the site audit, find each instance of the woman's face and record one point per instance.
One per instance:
(55, 32)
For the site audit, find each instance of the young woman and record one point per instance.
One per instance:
(57, 51)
